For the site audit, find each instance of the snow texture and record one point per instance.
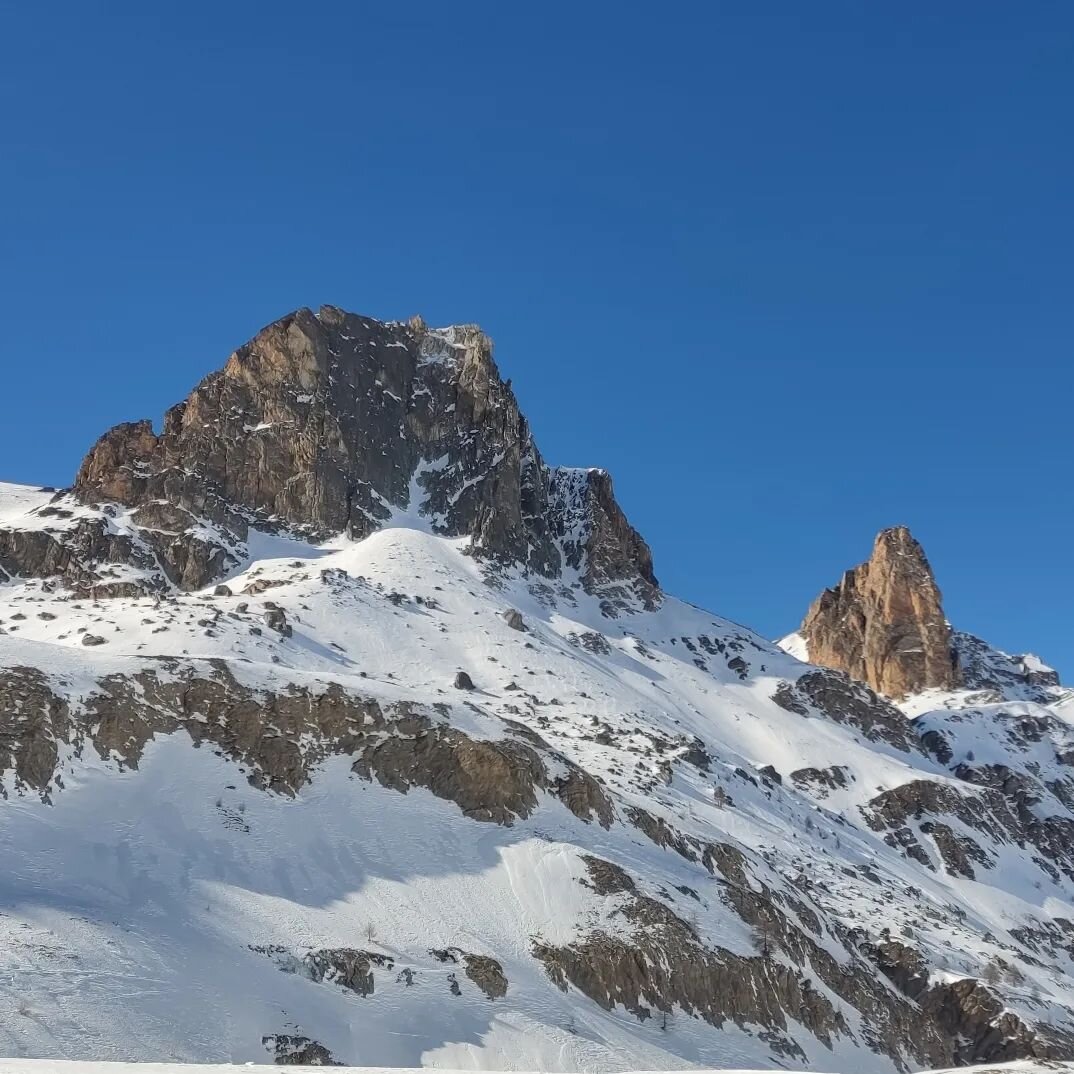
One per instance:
(162, 912)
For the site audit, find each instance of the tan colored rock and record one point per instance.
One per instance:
(487, 973)
(884, 622)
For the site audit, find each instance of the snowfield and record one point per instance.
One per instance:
(49, 1066)
(161, 911)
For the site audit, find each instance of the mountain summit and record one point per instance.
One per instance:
(884, 622)
(330, 422)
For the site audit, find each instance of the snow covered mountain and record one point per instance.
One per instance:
(50, 1066)
(336, 726)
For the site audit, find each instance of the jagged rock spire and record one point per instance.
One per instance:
(332, 422)
(884, 622)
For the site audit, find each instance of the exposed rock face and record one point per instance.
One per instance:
(821, 780)
(1000, 675)
(291, 1051)
(350, 969)
(81, 555)
(487, 974)
(666, 965)
(967, 1011)
(489, 781)
(1007, 808)
(291, 433)
(282, 736)
(848, 702)
(884, 623)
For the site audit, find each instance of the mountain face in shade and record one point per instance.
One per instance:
(332, 423)
(884, 622)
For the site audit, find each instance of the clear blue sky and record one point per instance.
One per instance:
(791, 271)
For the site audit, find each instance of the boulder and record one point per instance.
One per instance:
(275, 618)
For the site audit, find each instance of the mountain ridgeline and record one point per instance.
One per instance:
(328, 422)
(338, 726)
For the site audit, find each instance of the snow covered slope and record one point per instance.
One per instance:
(46, 1066)
(395, 801)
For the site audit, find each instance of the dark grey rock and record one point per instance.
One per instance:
(275, 618)
(291, 433)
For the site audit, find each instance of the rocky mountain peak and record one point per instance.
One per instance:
(331, 422)
(884, 622)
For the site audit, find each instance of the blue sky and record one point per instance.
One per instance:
(792, 272)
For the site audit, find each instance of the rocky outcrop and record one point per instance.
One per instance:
(35, 720)
(487, 973)
(492, 781)
(584, 795)
(489, 781)
(346, 967)
(661, 965)
(884, 622)
(821, 781)
(598, 541)
(835, 696)
(968, 1012)
(662, 834)
(1001, 807)
(281, 736)
(1002, 676)
(289, 1050)
(291, 433)
(83, 554)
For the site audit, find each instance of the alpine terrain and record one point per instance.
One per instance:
(337, 726)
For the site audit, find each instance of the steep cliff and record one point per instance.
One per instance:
(328, 423)
(884, 622)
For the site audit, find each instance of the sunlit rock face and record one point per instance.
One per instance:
(331, 422)
(884, 622)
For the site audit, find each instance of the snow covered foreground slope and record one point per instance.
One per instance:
(431, 797)
(46, 1066)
